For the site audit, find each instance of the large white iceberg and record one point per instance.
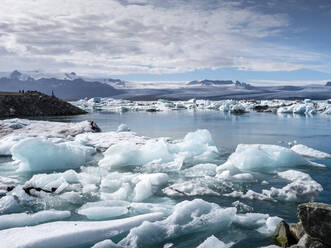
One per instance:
(70, 233)
(196, 146)
(187, 217)
(37, 154)
(262, 157)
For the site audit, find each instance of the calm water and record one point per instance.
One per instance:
(228, 131)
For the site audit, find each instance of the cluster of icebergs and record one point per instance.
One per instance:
(127, 189)
(305, 107)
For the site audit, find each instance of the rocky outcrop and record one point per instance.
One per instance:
(33, 103)
(316, 220)
(312, 231)
(283, 236)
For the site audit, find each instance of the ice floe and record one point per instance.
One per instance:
(197, 146)
(24, 219)
(187, 217)
(70, 233)
(36, 154)
(214, 242)
(263, 158)
(310, 152)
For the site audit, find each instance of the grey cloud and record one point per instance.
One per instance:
(143, 36)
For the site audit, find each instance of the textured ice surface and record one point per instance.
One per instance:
(104, 140)
(188, 189)
(24, 219)
(36, 154)
(196, 146)
(106, 244)
(140, 175)
(123, 128)
(301, 188)
(310, 152)
(213, 242)
(70, 233)
(187, 217)
(104, 209)
(32, 128)
(263, 158)
(9, 204)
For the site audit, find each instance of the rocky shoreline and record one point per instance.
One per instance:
(34, 103)
(312, 231)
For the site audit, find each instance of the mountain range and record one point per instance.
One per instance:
(72, 86)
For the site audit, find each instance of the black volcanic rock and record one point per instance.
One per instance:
(34, 103)
(63, 88)
(328, 84)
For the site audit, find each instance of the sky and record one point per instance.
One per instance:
(262, 41)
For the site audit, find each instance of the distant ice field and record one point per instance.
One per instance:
(184, 177)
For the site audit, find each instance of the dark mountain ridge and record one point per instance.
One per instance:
(62, 88)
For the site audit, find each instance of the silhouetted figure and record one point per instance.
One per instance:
(23, 91)
(53, 94)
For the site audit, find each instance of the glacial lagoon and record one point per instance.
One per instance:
(188, 172)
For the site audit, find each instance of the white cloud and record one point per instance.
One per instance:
(139, 36)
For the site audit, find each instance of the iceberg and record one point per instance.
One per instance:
(70, 233)
(37, 154)
(187, 217)
(104, 209)
(262, 158)
(196, 146)
(310, 152)
(301, 188)
(24, 219)
(188, 189)
(214, 242)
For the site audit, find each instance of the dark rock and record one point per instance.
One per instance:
(308, 242)
(297, 231)
(328, 84)
(261, 108)
(238, 111)
(34, 103)
(95, 127)
(30, 189)
(282, 236)
(316, 220)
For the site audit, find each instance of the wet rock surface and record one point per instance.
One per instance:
(33, 103)
(312, 231)
(316, 220)
(283, 236)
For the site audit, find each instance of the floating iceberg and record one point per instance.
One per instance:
(70, 233)
(196, 146)
(37, 154)
(214, 242)
(104, 209)
(123, 128)
(263, 158)
(187, 217)
(301, 188)
(23, 219)
(188, 189)
(310, 152)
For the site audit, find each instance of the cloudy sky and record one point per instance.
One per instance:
(169, 40)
